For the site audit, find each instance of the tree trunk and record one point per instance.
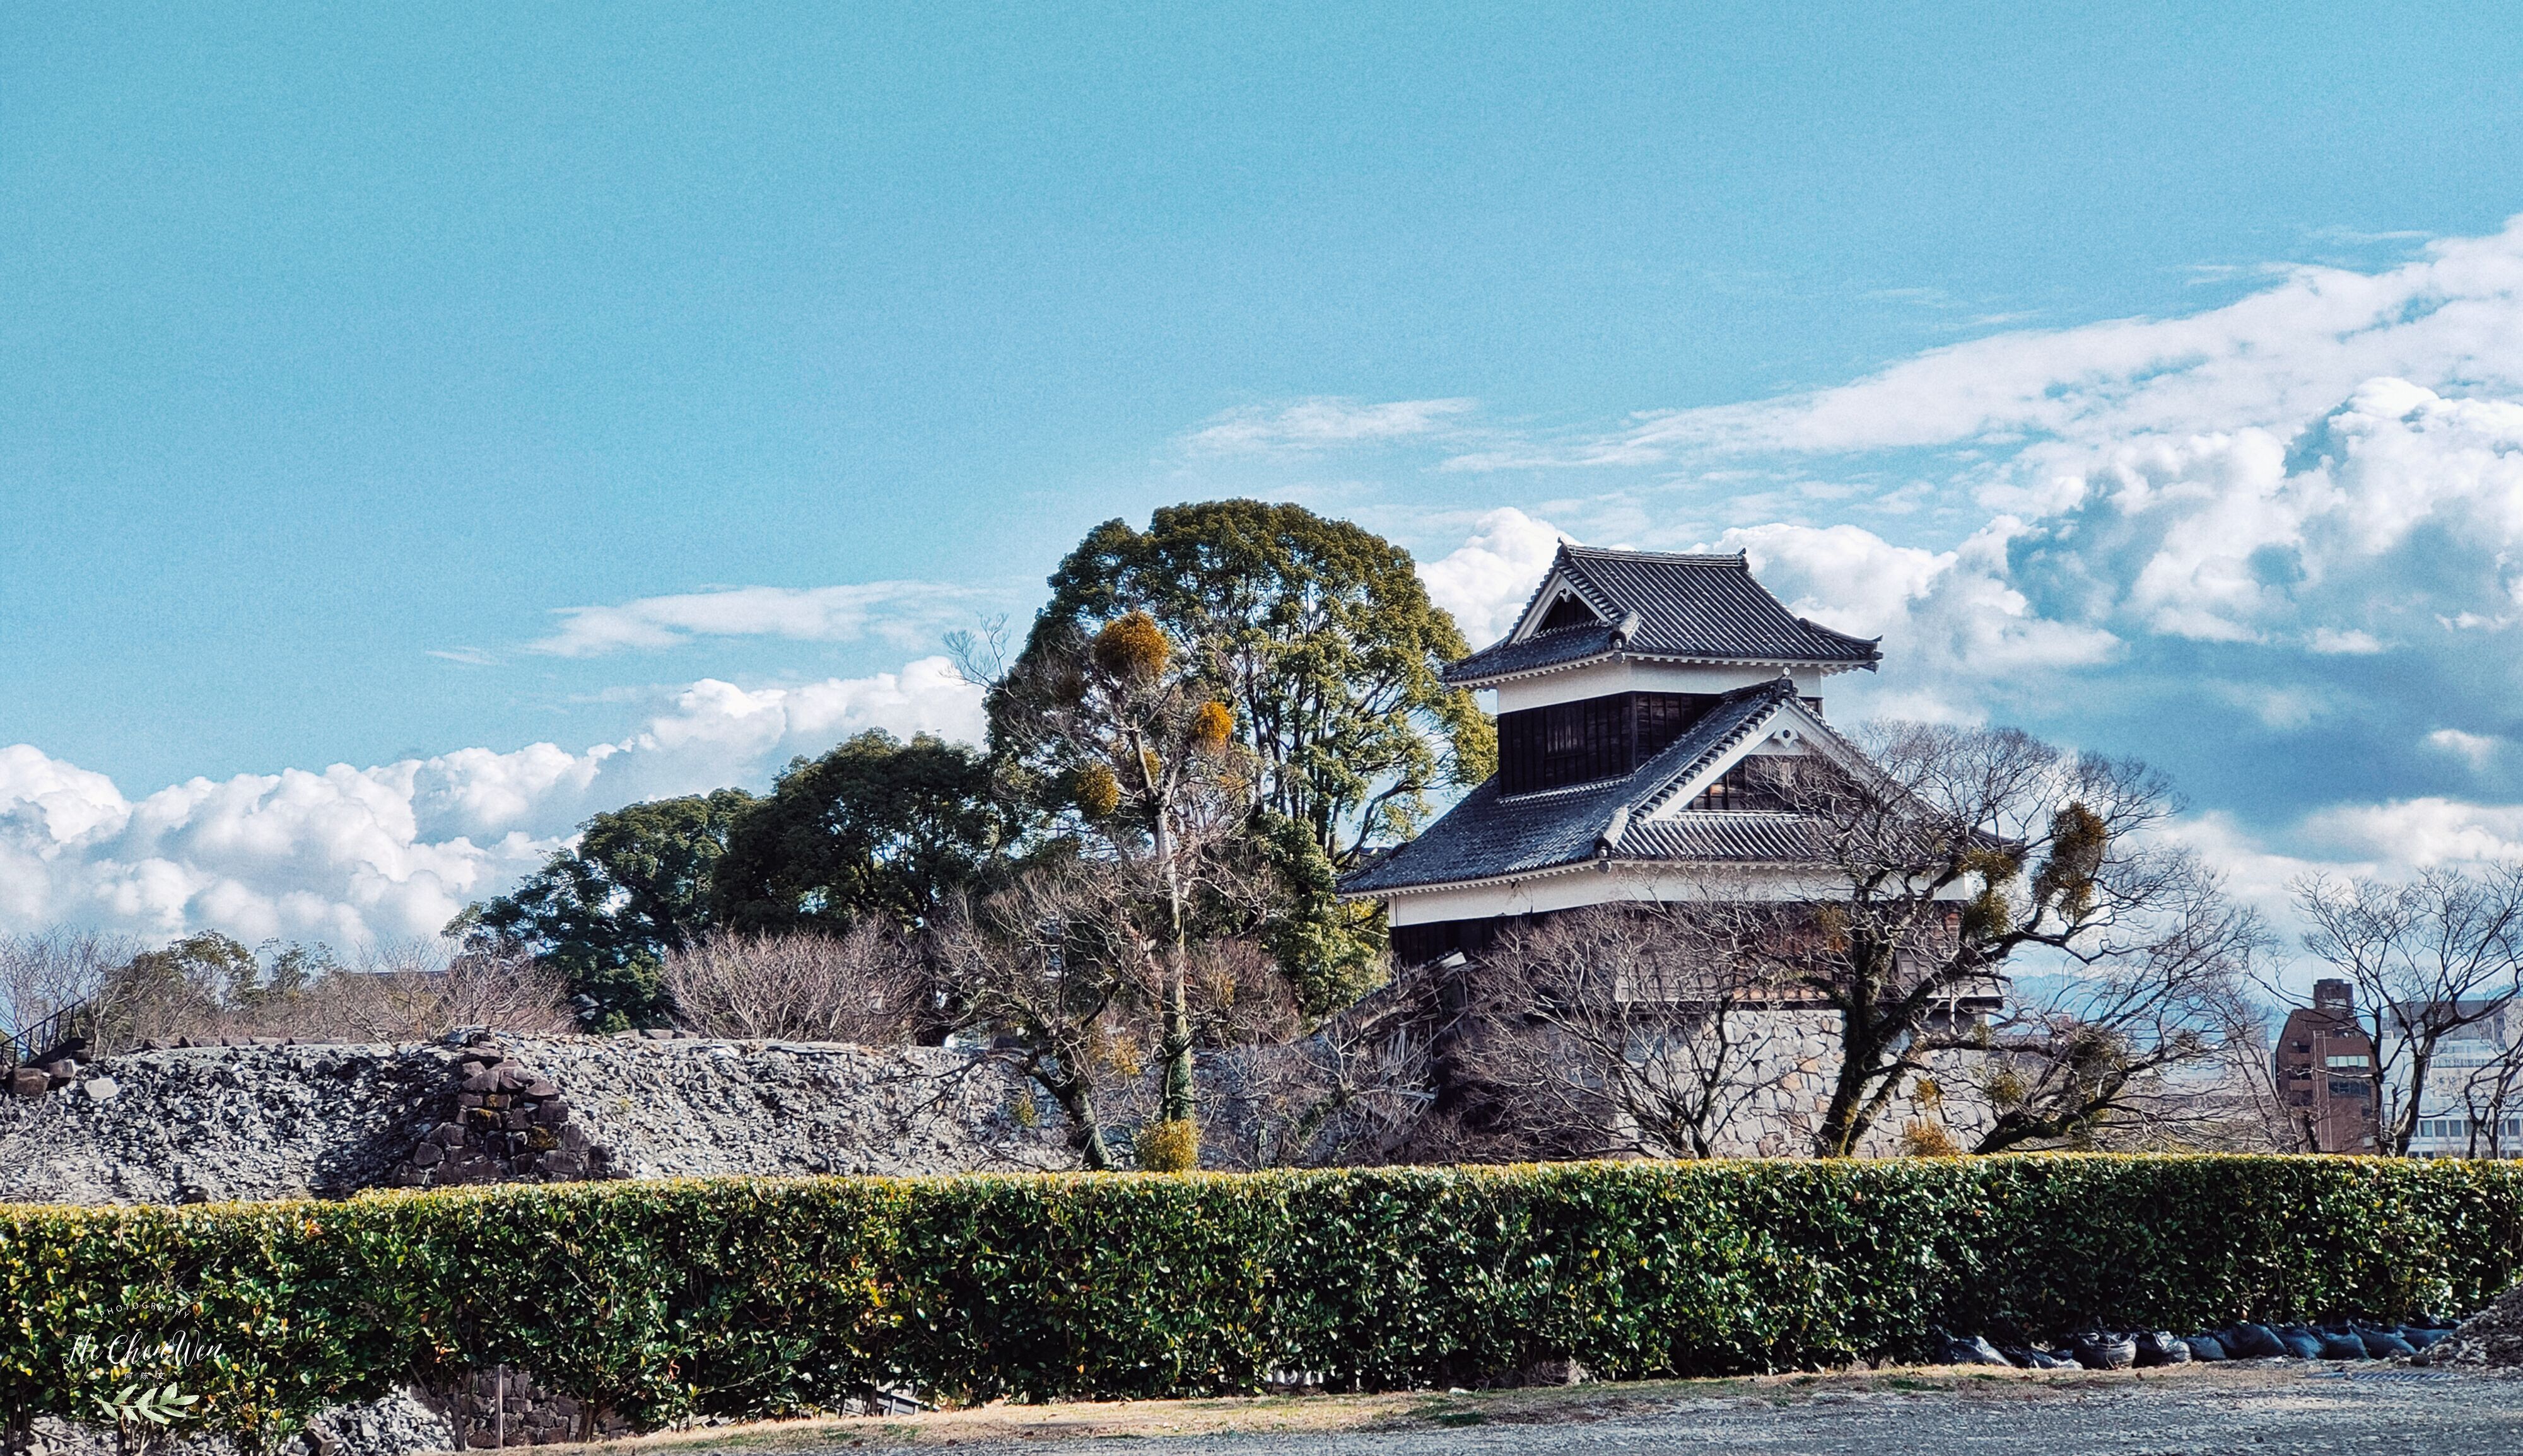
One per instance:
(1077, 1103)
(1865, 1033)
(1176, 1102)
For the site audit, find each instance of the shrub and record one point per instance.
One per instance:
(863, 985)
(1168, 1145)
(758, 1296)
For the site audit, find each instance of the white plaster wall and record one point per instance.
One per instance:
(1625, 883)
(1627, 676)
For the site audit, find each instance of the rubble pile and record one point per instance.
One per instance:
(196, 1124)
(2494, 1336)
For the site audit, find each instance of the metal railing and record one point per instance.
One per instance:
(19, 1047)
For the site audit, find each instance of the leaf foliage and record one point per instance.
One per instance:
(757, 1296)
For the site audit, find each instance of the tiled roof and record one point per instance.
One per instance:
(1762, 837)
(1491, 834)
(1706, 608)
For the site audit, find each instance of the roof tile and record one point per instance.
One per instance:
(1703, 607)
(1490, 834)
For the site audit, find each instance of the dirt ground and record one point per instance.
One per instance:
(2263, 1408)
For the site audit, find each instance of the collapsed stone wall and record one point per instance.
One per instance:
(212, 1123)
(260, 1121)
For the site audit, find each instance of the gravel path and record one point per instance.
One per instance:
(2358, 1414)
(2259, 1410)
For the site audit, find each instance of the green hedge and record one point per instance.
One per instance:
(756, 1297)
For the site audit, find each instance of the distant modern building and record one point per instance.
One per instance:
(2472, 1104)
(2324, 1071)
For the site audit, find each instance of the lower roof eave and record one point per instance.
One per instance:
(1430, 887)
(1572, 867)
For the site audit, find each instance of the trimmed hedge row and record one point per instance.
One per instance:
(759, 1297)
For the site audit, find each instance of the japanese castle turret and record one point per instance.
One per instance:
(1637, 694)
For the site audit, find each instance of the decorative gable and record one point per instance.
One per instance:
(1567, 612)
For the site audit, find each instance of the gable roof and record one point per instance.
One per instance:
(1661, 604)
(1494, 835)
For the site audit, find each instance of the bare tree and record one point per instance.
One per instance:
(1629, 1030)
(1940, 856)
(2233, 1101)
(1151, 768)
(1044, 961)
(2491, 1089)
(1360, 1089)
(2108, 1049)
(419, 990)
(864, 986)
(173, 992)
(48, 972)
(206, 987)
(2427, 958)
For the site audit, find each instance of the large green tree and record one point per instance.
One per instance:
(875, 828)
(1319, 633)
(606, 911)
(1320, 637)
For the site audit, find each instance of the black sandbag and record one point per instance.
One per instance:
(1975, 1351)
(2424, 1337)
(2160, 1347)
(2300, 1342)
(2206, 1348)
(2249, 1342)
(2029, 1359)
(2102, 1351)
(2339, 1346)
(2383, 1344)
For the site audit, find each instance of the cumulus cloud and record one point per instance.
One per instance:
(1321, 423)
(2406, 834)
(898, 611)
(355, 855)
(2394, 840)
(2277, 545)
(1485, 582)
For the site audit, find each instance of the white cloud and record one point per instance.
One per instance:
(2392, 840)
(2404, 836)
(2268, 361)
(354, 855)
(1485, 582)
(1950, 621)
(1320, 423)
(2474, 749)
(898, 611)
(2279, 543)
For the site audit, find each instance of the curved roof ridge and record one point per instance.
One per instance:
(1743, 559)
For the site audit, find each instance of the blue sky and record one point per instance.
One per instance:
(419, 429)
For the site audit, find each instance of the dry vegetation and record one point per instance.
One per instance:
(208, 988)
